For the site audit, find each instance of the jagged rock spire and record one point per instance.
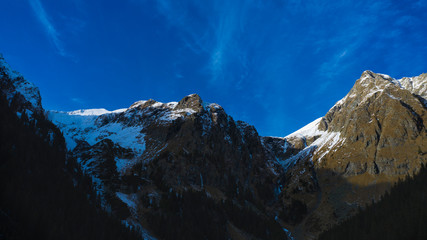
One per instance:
(192, 101)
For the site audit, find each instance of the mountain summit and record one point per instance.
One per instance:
(189, 170)
(19, 92)
(152, 149)
(365, 142)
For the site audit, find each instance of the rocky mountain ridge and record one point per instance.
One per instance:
(138, 157)
(370, 106)
(367, 140)
(20, 92)
(152, 147)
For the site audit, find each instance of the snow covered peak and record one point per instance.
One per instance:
(94, 125)
(193, 95)
(371, 83)
(309, 130)
(6, 69)
(146, 109)
(416, 85)
(95, 112)
(214, 106)
(15, 86)
(371, 79)
(153, 103)
(82, 125)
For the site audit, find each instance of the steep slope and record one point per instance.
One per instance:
(365, 142)
(405, 201)
(38, 198)
(385, 120)
(191, 167)
(21, 94)
(308, 180)
(145, 152)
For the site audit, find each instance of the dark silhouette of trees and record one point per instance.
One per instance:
(194, 215)
(400, 214)
(43, 196)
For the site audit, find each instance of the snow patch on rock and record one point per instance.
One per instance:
(18, 85)
(309, 130)
(82, 126)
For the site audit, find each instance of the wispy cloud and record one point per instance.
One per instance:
(330, 70)
(225, 32)
(340, 48)
(51, 31)
(264, 50)
(210, 28)
(78, 100)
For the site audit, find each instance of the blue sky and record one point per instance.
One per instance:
(276, 64)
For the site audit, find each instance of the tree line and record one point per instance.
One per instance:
(39, 197)
(400, 214)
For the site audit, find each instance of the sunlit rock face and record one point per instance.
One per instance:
(311, 179)
(382, 123)
(365, 142)
(137, 157)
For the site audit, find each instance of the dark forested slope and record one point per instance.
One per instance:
(38, 199)
(401, 214)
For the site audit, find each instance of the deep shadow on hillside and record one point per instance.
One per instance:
(45, 196)
(401, 214)
(338, 198)
(39, 199)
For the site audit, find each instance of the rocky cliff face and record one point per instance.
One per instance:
(369, 139)
(383, 121)
(24, 98)
(153, 148)
(140, 157)
(21, 94)
(145, 158)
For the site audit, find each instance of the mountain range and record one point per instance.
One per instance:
(188, 170)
